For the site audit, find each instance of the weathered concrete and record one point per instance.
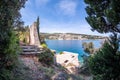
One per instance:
(68, 60)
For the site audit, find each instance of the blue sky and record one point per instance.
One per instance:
(64, 16)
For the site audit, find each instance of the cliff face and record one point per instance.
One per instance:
(70, 36)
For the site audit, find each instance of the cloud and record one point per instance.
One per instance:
(50, 23)
(71, 27)
(39, 3)
(67, 7)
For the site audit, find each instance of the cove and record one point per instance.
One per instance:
(74, 46)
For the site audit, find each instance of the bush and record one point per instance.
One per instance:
(42, 39)
(61, 53)
(84, 44)
(88, 47)
(8, 38)
(105, 65)
(5, 75)
(8, 56)
(84, 69)
(46, 57)
(49, 71)
(44, 45)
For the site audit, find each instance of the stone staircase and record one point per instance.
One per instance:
(31, 50)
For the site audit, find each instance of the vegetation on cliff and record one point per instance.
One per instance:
(46, 57)
(103, 16)
(10, 18)
(104, 64)
(88, 47)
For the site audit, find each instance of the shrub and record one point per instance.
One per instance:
(49, 71)
(84, 44)
(46, 57)
(8, 38)
(61, 53)
(84, 69)
(44, 45)
(105, 65)
(42, 39)
(88, 47)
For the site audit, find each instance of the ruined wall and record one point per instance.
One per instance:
(34, 39)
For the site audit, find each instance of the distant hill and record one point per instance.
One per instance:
(69, 36)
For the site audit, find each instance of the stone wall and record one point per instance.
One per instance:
(34, 39)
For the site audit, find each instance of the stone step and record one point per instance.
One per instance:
(28, 47)
(33, 49)
(29, 50)
(24, 53)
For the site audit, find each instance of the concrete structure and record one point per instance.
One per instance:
(34, 38)
(68, 60)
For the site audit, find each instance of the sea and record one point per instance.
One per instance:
(74, 46)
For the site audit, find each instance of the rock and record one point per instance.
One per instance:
(44, 77)
(60, 76)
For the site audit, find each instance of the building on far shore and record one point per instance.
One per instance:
(70, 36)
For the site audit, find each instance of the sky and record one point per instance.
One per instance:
(58, 16)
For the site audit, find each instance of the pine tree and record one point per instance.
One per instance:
(103, 15)
(38, 22)
(105, 64)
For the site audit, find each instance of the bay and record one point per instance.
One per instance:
(74, 46)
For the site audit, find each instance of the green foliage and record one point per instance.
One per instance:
(105, 64)
(103, 15)
(22, 72)
(84, 69)
(84, 44)
(91, 45)
(42, 39)
(46, 57)
(38, 23)
(23, 34)
(88, 47)
(75, 77)
(6, 75)
(44, 45)
(49, 71)
(24, 40)
(61, 53)
(9, 19)
(9, 59)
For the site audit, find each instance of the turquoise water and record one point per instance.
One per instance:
(74, 46)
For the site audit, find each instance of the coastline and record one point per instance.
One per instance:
(75, 39)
